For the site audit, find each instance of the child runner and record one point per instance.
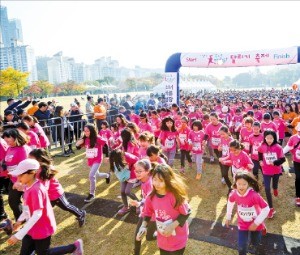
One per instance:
(280, 124)
(293, 146)
(237, 158)
(40, 226)
(226, 139)
(245, 133)
(143, 174)
(196, 141)
(155, 155)
(34, 141)
(252, 210)
(4, 180)
(155, 124)
(271, 158)
(144, 124)
(123, 161)
(129, 142)
(255, 140)
(145, 140)
(46, 175)
(168, 203)
(106, 133)
(94, 146)
(183, 134)
(168, 139)
(114, 141)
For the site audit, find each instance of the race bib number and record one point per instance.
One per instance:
(8, 158)
(297, 154)
(162, 225)
(247, 145)
(170, 143)
(225, 150)
(270, 157)
(196, 146)
(215, 141)
(247, 214)
(91, 153)
(255, 150)
(182, 138)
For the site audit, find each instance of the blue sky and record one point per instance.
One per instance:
(147, 33)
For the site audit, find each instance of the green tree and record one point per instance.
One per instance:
(131, 83)
(45, 86)
(12, 82)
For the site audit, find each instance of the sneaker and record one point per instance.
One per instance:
(212, 159)
(223, 181)
(298, 201)
(107, 179)
(190, 165)
(3, 216)
(271, 213)
(123, 210)
(8, 227)
(182, 170)
(275, 192)
(198, 176)
(81, 219)
(89, 198)
(79, 247)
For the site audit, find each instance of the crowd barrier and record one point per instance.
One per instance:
(63, 132)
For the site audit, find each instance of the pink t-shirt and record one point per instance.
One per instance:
(292, 142)
(249, 207)
(14, 155)
(155, 124)
(258, 115)
(145, 127)
(34, 141)
(131, 159)
(163, 209)
(271, 125)
(240, 162)
(213, 133)
(255, 142)
(94, 155)
(271, 153)
(3, 149)
(244, 135)
(54, 188)
(237, 120)
(280, 125)
(142, 152)
(134, 118)
(36, 198)
(146, 189)
(195, 140)
(168, 139)
(225, 145)
(41, 134)
(183, 135)
(133, 149)
(226, 117)
(107, 134)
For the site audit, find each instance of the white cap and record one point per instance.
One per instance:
(73, 104)
(224, 109)
(24, 166)
(297, 128)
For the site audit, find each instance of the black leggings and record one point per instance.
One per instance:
(63, 203)
(224, 171)
(151, 228)
(297, 180)
(14, 200)
(185, 154)
(41, 247)
(178, 252)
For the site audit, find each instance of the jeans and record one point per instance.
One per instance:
(243, 237)
(170, 155)
(185, 154)
(297, 180)
(267, 181)
(126, 188)
(93, 176)
(199, 161)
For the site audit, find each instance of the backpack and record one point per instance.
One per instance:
(122, 175)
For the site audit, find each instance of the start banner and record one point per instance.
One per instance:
(241, 59)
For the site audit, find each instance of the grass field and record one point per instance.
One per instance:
(102, 235)
(112, 236)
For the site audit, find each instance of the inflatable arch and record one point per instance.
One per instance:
(220, 60)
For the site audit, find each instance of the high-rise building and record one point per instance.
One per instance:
(20, 57)
(15, 30)
(4, 27)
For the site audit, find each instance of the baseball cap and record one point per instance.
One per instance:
(24, 166)
(35, 101)
(73, 104)
(8, 112)
(224, 109)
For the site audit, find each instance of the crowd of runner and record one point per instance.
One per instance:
(248, 133)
